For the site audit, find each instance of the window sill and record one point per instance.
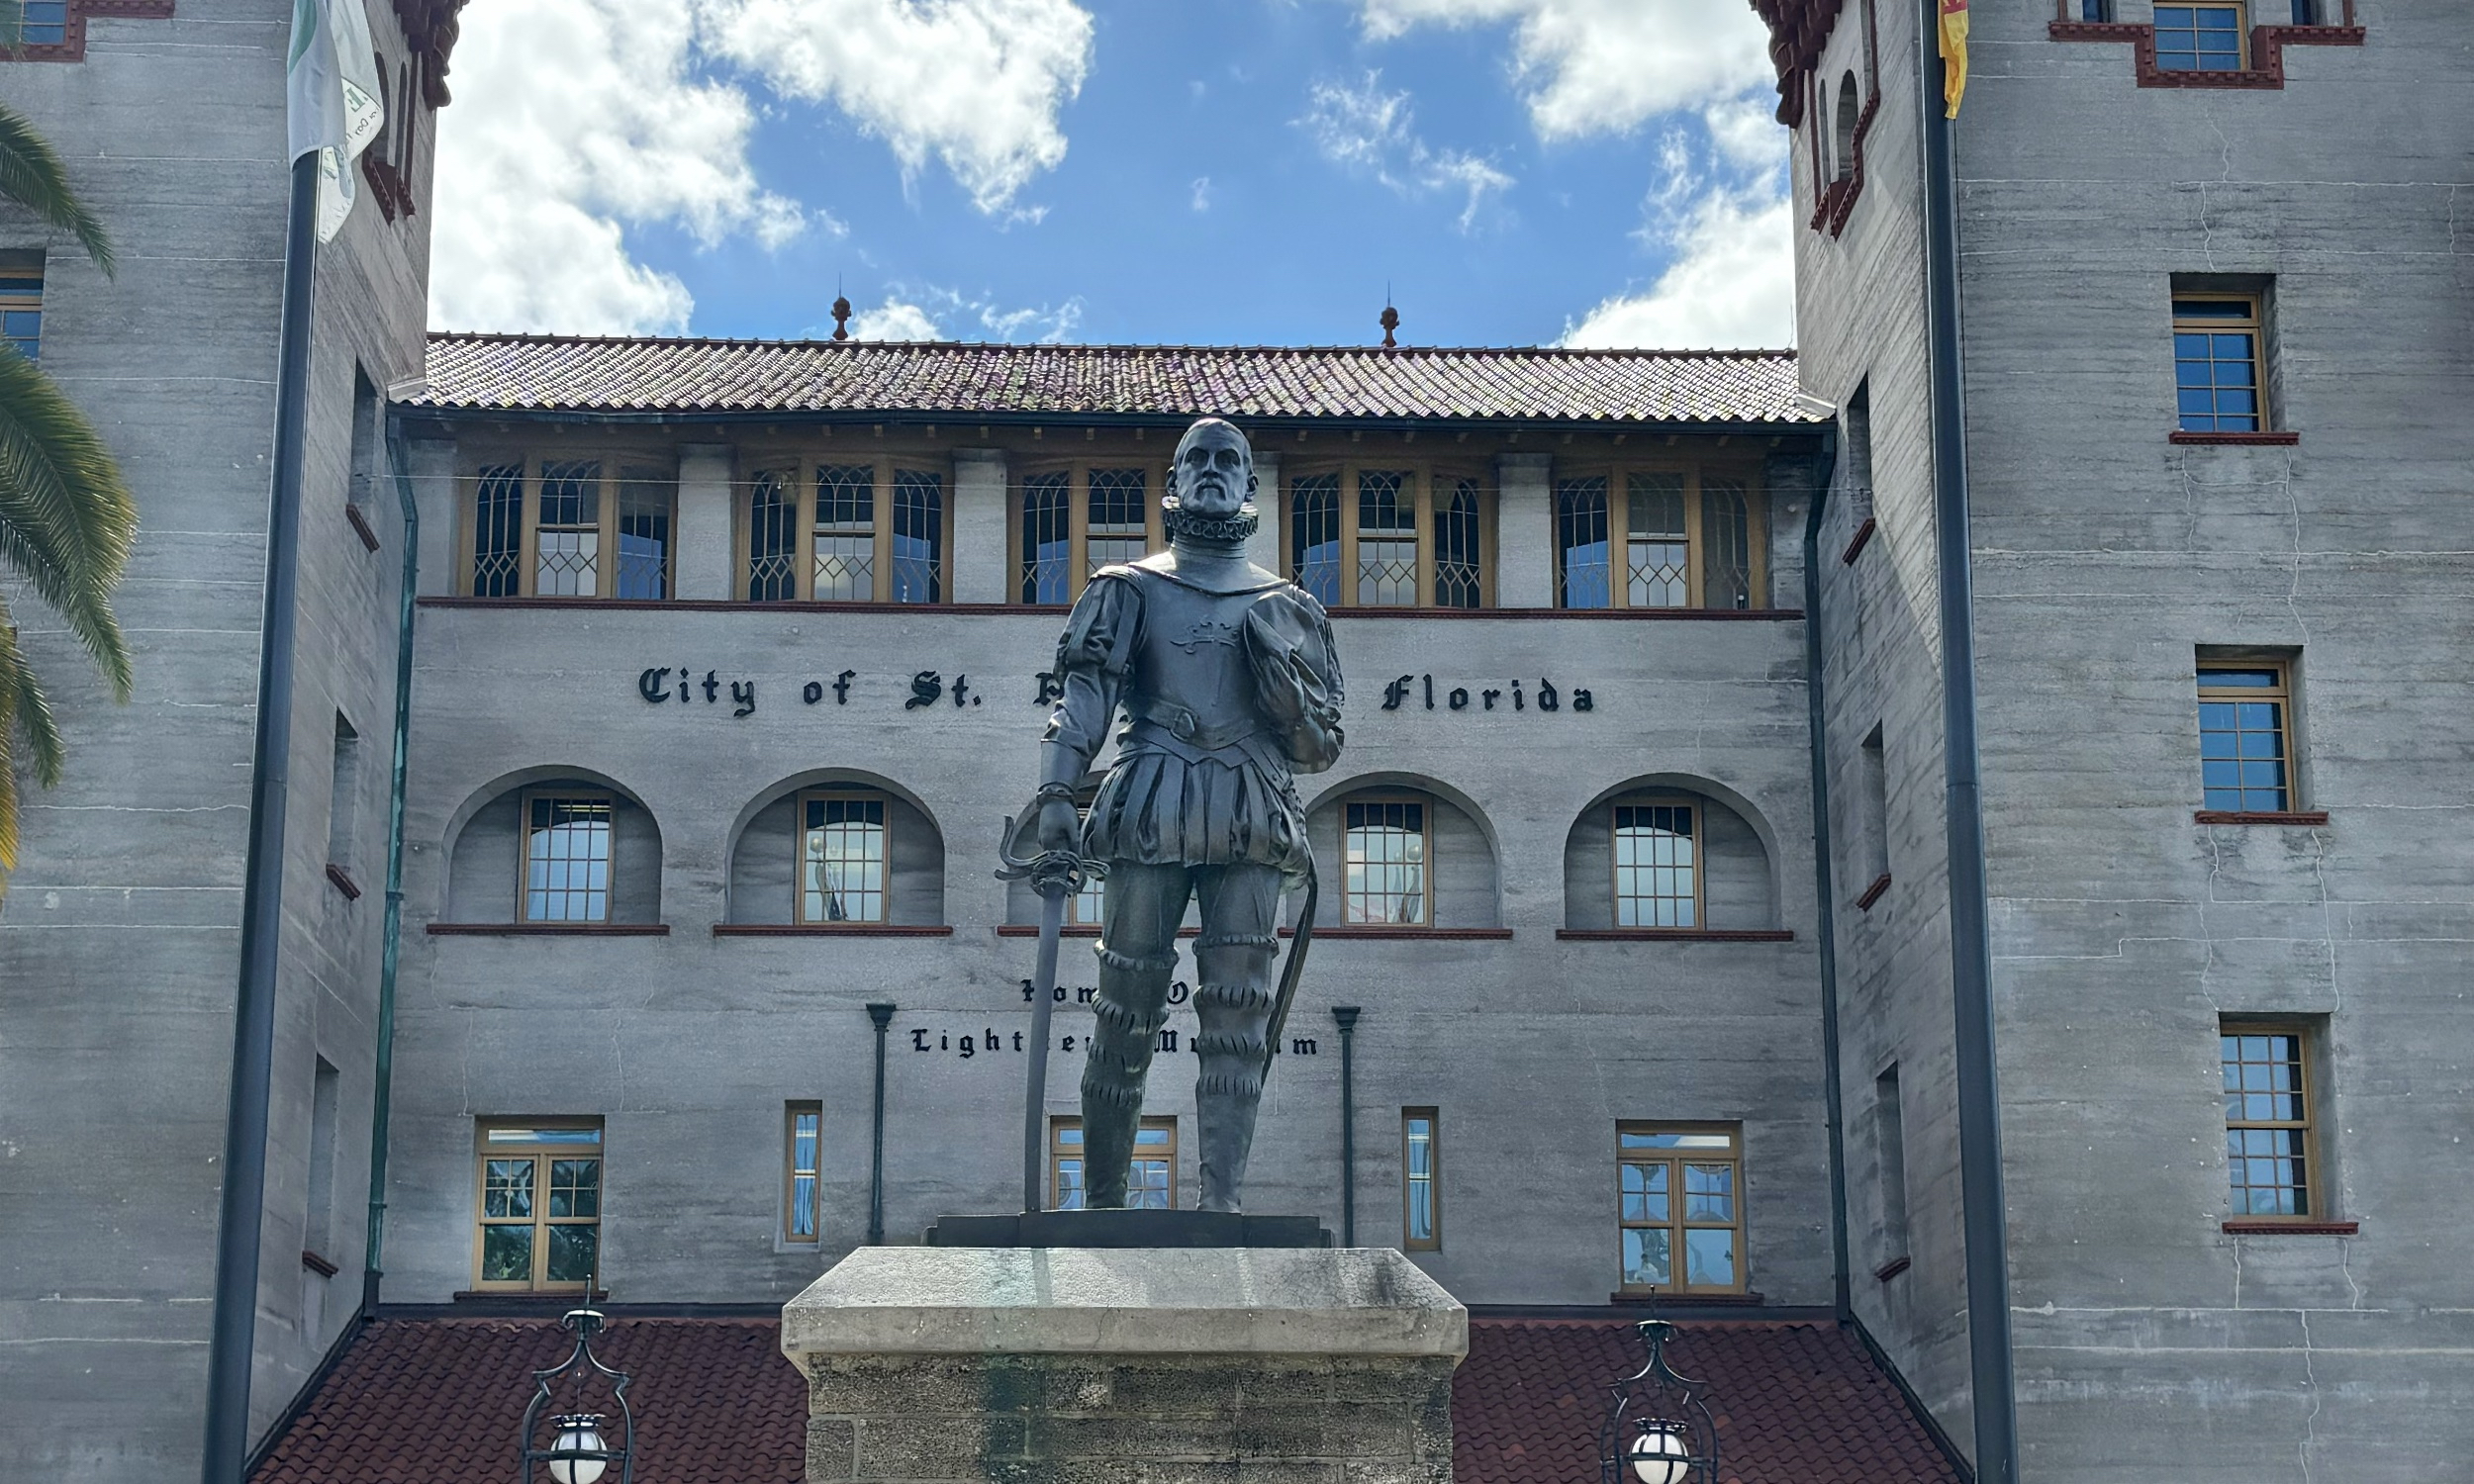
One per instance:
(1872, 893)
(830, 930)
(318, 1264)
(1361, 930)
(524, 1300)
(2271, 439)
(1891, 1268)
(360, 525)
(2269, 1227)
(548, 929)
(1643, 1296)
(341, 881)
(1855, 544)
(2238, 816)
(1677, 935)
(1000, 609)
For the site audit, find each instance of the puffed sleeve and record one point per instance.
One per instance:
(1296, 672)
(1093, 658)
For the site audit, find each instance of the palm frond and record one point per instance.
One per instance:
(67, 520)
(32, 175)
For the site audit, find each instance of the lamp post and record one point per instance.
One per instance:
(1659, 1429)
(579, 1451)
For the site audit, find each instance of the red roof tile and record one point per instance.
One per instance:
(620, 375)
(1796, 1403)
(418, 1401)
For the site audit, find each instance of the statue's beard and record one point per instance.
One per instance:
(1210, 531)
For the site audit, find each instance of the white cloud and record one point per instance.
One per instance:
(541, 167)
(976, 83)
(1368, 130)
(1202, 197)
(1730, 286)
(893, 320)
(1605, 67)
(924, 314)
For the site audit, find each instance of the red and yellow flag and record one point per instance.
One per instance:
(1954, 55)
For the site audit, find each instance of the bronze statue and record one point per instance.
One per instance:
(1229, 686)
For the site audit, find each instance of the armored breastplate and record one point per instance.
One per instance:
(1191, 682)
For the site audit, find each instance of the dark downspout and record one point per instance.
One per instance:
(1834, 1088)
(1992, 1387)
(381, 1101)
(881, 1015)
(1347, 1016)
(232, 1337)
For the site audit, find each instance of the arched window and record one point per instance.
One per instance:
(1411, 856)
(838, 853)
(1661, 855)
(1844, 137)
(558, 851)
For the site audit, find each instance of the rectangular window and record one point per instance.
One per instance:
(566, 858)
(2268, 1150)
(1657, 539)
(44, 23)
(1421, 1214)
(21, 286)
(1151, 1177)
(1872, 807)
(1118, 529)
(326, 1088)
(803, 1143)
(343, 794)
(1889, 1130)
(1680, 1208)
(2245, 737)
(844, 531)
(367, 436)
(2216, 362)
(2199, 38)
(540, 1205)
(1383, 863)
(2095, 9)
(1087, 907)
(1070, 522)
(583, 526)
(842, 858)
(1658, 877)
(1407, 536)
(1048, 538)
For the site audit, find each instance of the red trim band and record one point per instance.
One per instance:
(1678, 935)
(2274, 439)
(830, 930)
(548, 929)
(2239, 816)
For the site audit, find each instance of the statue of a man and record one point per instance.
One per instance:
(1229, 686)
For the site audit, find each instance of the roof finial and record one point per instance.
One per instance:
(1390, 320)
(841, 312)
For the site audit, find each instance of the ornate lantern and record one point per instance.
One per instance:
(1659, 1429)
(579, 1450)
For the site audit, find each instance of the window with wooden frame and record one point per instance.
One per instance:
(582, 525)
(839, 529)
(1658, 865)
(540, 1202)
(2245, 736)
(844, 850)
(567, 857)
(2270, 1159)
(1395, 535)
(21, 303)
(1151, 1176)
(1679, 1193)
(2212, 37)
(1384, 860)
(803, 1145)
(1421, 1204)
(1071, 519)
(1657, 539)
(2218, 377)
(1087, 907)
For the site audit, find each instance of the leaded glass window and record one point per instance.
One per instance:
(1581, 571)
(498, 532)
(567, 858)
(2243, 755)
(1383, 863)
(1314, 535)
(919, 536)
(1662, 536)
(773, 536)
(1657, 543)
(1460, 550)
(2267, 1120)
(1680, 1209)
(643, 532)
(845, 533)
(1658, 878)
(1048, 538)
(580, 526)
(1387, 563)
(1117, 526)
(842, 858)
(567, 552)
(539, 1206)
(2215, 363)
(1726, 539)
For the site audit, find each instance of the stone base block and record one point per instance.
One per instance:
(930, 1366)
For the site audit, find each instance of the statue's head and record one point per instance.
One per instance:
(1212, 476)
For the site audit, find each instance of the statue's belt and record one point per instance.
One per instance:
(1165, 726)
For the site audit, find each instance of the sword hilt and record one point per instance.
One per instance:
(1051, 872)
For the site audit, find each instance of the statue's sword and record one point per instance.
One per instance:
(1055, 875)
(1294, 967)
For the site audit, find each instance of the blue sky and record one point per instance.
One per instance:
(1213, 171)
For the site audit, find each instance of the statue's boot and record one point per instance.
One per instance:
(1126, 1028)
(1234, 1007)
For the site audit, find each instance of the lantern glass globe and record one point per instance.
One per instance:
(1661, 1455)
(580, 1435)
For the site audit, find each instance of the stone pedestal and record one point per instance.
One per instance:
(1266, 1365)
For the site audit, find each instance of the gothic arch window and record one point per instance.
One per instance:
(1843, 148)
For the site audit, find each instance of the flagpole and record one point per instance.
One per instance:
(232, 1341)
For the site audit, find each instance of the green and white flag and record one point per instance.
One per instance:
(331, 101)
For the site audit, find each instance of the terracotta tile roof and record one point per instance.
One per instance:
(1796, 1403)
(641, 375)
(417, 1401)
(422, 1401)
